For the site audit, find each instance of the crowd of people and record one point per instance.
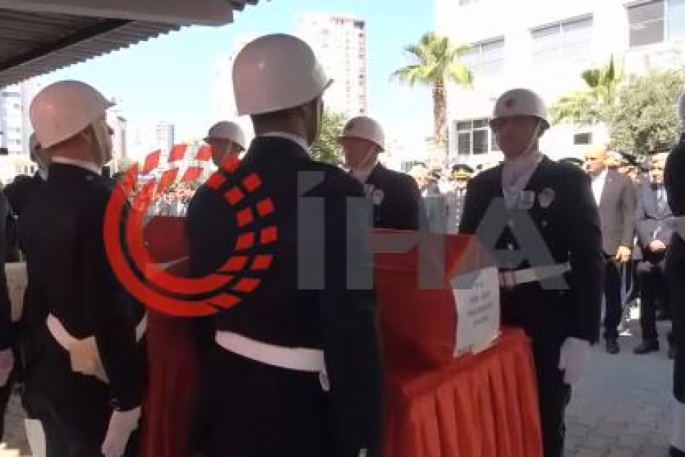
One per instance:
(286, 370)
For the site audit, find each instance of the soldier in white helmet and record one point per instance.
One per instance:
(545, 235)
(395, 196)
(226, 140)
(674, 182)
(294, 368)
(83, 372)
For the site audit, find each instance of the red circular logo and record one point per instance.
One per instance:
(165, 291)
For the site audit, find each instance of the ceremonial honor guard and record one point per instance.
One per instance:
(295, 367)
(226, 140)
(674, 182)
(83, 373)
(541, 222)
(395, 197)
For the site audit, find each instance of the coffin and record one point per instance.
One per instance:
(437, 301)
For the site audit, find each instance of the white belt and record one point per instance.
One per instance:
(298, 359)
(508, 279)
(65, 339)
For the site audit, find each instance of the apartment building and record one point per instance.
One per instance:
(544, 45)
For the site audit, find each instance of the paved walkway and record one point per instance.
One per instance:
(621, 409)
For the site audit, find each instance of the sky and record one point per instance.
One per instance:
(171, 78)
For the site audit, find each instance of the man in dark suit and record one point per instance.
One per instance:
(654, 230)
(83, 374)
(615, 197)
(674, 182)
(6, 327)
(540, 220)
(19, 192)
(395, 197)
(295, 369)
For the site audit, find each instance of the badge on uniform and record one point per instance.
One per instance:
(526, 199)
(546, 197)
(377, 197)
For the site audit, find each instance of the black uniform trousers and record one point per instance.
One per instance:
(541, 314)
(286, 421)
(675, 272)
(613, 306)
(74, 409)
(553, 395)
(653, 293)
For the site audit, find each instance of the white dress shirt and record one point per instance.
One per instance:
(598, 185)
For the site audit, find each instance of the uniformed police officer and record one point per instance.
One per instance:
(295, 368)
(461, 173)
(83, 376)
(674, 182)
(551, 287)
(226, 140)
(395, 197)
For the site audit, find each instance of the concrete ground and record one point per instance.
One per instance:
(622, 408)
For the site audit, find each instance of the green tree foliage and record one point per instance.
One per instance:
(435, 64)
(590, 106)
(643, 120)
(326, 148)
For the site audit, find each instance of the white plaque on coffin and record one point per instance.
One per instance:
(16, 285)
(478, 310)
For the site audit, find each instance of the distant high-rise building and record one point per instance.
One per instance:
(118, 125)
(15, 126)
(145, 138)
(164, 136)
(340, 45)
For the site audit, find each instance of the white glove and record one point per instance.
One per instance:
(575, 354)
(121, 425)
(6, 365)
(85, 358)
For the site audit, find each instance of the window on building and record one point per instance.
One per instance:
(566, 41)
(676, 19)
(485, 58)
(582, 138)
(646, 22)
(473, 136)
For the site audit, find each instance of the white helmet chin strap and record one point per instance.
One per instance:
(533, 139)
(104, 141)
(367, 161)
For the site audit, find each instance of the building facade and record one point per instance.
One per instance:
(340, 44)
(545, 45)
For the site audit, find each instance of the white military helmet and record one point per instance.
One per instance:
(365, 128)
(65, 108)
(520, 102)
(226, 130)
(276, 72)
(681, 108)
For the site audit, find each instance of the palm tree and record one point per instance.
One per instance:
(589, 106)
(436, 63)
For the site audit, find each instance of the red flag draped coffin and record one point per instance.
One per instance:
(172, 354)
(417, 304)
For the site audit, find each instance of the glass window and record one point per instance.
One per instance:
(464, 143)
(480, 141)
(676, 19)
(473, 137)
(646, 22)
(568, 41)
(486, 57)
(582, 138)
